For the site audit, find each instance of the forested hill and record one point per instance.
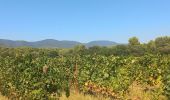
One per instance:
(51, 43)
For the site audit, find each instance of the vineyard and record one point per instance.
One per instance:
(45, 74)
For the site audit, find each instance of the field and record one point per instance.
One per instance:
(49, 74)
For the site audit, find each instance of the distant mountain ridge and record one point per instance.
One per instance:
(51, 43)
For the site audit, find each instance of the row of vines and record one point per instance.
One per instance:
(36, 74)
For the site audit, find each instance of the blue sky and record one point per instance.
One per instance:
(84, 20)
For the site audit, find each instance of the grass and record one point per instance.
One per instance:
(3, 97)
(79, 96)
(138, 92)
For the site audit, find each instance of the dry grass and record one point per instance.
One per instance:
(138, 92)
(79, 96)
(73, 96)
(2, 97)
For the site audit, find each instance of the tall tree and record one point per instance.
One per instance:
(151, 47)
(135, 48)
(163, 44)
(134, 41)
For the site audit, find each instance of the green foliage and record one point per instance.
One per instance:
(23, 74)
(134, 41)
(163, 44)
(120, 50)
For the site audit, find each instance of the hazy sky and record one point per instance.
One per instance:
(84, 20)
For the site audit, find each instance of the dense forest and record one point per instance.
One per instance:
(45, 74)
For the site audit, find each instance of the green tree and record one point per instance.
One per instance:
(93, 50)
(163, 44)
(134, 41)
(121, 50)
(151, 47)
(79, 49)
(135, 48)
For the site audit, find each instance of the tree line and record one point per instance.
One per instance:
(160, 45)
